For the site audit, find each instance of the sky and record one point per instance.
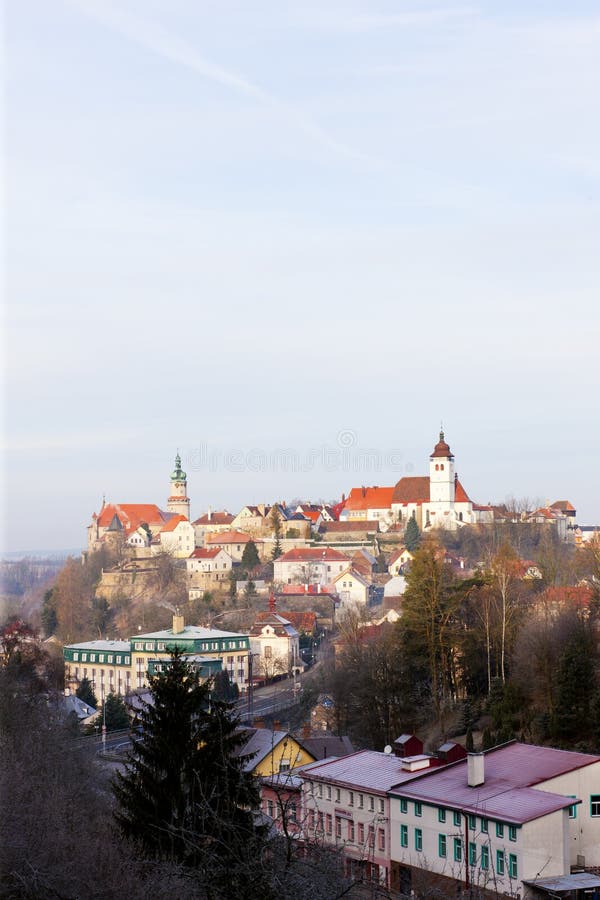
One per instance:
(289, 240)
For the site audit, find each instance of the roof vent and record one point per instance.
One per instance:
(475, 769)
(414, 763)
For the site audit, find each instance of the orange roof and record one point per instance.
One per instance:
(312, 514)
(228, 537)
(563, 505)
(313, 554)
(131, 515)
(202, 553)
(412, 489)
(460, 495)
(369, 498)
(173, 522)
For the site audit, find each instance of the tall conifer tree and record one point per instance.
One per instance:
(184, 795)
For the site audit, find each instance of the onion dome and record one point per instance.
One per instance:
(441, 449)
(178, 474)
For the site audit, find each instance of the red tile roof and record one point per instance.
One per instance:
(460, 495)
(412, 489)
(312, 514)
(173, 523)
(302, 621)
(304, 590)
(313, 554)
(216, 518)
(563, 506)
(228, 537)
(131, 515)
(369, 498)
(201, 553)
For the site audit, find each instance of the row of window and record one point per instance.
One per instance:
(109, 658)
(484, 824)
(483, 859)
(324, 823)
(354, 798)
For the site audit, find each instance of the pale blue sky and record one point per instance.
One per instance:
(237, 226)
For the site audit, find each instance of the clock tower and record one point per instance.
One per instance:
(178, 501)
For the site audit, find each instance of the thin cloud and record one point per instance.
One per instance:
(371, 21)
(153, 37)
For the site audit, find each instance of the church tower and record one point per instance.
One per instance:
(178, 501)
(441, 476)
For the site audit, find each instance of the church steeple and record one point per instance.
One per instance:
(178, 474)
(178, 501)
(441, 476)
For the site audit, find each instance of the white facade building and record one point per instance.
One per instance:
(498, 820)
(309, 566)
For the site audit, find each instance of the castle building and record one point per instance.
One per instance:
(140, 524)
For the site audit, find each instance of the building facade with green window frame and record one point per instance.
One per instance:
(121, 666)
(530, 809)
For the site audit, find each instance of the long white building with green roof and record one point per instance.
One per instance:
(122, 666)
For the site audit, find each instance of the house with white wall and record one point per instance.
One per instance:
(275, 643)
(352, 588)
(233, 542)
(499, 821)
(345, 804)
(177, 537)
(309, 565)
(398, 560)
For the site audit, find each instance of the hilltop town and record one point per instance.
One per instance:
(415, 675)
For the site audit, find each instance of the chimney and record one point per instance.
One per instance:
(178, 623)
(364, 491)
(209, 514)
(272, 604)
(261, 509)
(475, 769)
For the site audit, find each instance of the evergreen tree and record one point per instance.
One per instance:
(184, 795)
(86, 693)
(575, 687)
(412, 535)
(232, 590)
(115, 716)
(48, 614)
(250, 593)
(250, 558)
(276, 521)
(223, 688)
(469, 743)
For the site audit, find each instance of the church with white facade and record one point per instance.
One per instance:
(435, 500)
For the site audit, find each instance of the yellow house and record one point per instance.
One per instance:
(272, 752)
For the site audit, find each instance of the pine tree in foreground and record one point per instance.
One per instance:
(184, 795)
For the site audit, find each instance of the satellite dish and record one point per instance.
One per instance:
(387, 749)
